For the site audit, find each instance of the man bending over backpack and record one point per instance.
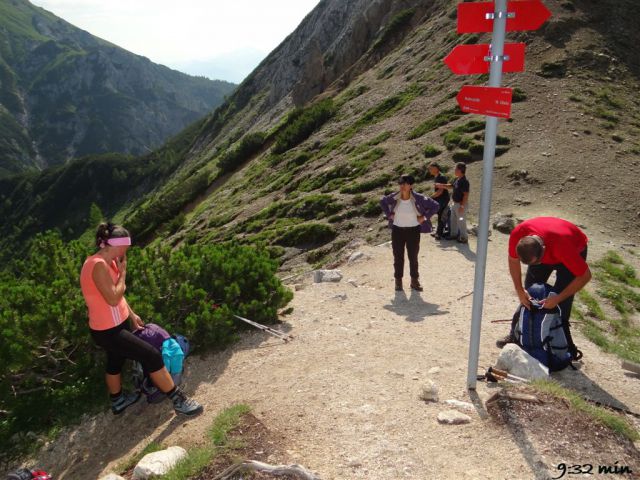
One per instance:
(546, 244)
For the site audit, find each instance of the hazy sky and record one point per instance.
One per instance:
(218, 38)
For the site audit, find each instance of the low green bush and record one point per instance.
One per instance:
(248, 146)
(52, 372)
(307, 121)
(307, 235)
(430, 151)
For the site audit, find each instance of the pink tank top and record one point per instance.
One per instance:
(102, 316)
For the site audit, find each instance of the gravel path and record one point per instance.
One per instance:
(345, 392)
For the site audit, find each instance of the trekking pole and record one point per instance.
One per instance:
(282, 336)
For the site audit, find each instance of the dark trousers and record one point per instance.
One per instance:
(541, 273)
(409, 237)
(442, 219)
(121, 344)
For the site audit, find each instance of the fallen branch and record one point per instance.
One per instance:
(296, 471)
(465, 295)
(631, 366)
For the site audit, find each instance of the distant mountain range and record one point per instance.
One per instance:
(65, 93)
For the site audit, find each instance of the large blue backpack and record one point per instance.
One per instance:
(539, 331)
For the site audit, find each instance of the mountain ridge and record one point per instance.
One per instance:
(65, 93)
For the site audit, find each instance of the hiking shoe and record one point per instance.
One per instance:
(185, 405)
(415, 285)
(463, 240)
(503, 341)
(437, 237)
(398, 284)
(118, 405)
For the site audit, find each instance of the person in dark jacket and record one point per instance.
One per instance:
(440, 195)
(409, 215)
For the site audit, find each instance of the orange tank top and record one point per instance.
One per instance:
(102, 316)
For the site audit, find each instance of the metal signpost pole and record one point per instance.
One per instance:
(495, 78)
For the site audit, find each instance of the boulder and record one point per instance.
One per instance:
(320, 276)
(111, 476)
(504, 223)
(453, 417)
(519, 363)
(158, 463)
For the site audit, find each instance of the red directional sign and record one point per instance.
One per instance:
(523, 15)
(490, 101)
(470, 59)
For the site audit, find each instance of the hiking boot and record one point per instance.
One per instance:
(119, 404)
(463, 240)
(183, 404)
(415, 285)
(503, 341)
(437, 237)
(398, 284)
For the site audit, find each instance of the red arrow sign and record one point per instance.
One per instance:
(470, 59)
(529, 15)
(491, 101)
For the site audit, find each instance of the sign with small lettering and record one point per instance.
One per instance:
(490, 101)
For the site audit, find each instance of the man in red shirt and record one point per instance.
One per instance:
(546, 244)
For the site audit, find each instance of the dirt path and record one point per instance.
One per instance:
(345, 391)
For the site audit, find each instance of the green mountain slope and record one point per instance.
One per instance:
(65, 93)
(301, 152)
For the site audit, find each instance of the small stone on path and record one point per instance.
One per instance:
(453, 417)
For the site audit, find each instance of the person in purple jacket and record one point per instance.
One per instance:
(409, 214)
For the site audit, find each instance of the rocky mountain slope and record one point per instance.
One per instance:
(308, 179)
(65, 93)
(301, 152)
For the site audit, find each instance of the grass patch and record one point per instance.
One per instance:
(617, 284)
(368, 185)
(302, 124)
(385, 109)
(518, 95)
(443, 118)
(431, 151)
(307, 235)
(198, 459)
(599, 414)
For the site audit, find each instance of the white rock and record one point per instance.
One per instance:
(453, 417)
(158, 463)
(519, 363)
(429, 392)
(355, 256)
(112, 476)
(385, 245)
(352, 282)
(320, 276)
(460, 405)
(433, 370)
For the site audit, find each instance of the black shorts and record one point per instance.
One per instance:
(121, 344)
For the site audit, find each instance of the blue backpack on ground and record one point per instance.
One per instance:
(174, 349)
(539, 332)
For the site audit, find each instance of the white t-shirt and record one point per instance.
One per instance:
(406, 215)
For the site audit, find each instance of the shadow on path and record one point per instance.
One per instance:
(413, 308)
(578, 381)
(452, 245)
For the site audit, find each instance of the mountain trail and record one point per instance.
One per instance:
(345, 392)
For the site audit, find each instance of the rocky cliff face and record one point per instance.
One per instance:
(65, 93)
(335, 37)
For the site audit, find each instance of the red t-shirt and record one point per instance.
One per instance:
(563, 241)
